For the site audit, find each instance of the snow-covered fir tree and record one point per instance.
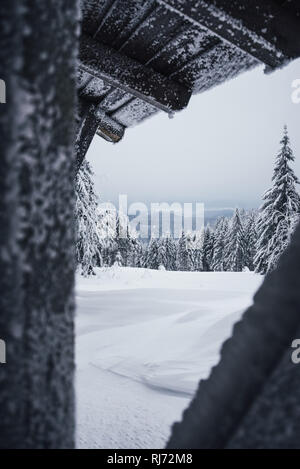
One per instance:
(190, 237)
(87, 233)
(279, 211)
(170, 252)
(284, 232)
(183, 253)
(107, 230)
(235, 260)
(162, 257)
(197, 252)
(250, 236)
(123, 240)
(220, 242)
(137, 253)
(127, 243)
(207, 249)
(152, 256)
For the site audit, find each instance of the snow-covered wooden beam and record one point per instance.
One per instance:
(95, 121)
(131, 76)
(251, 399)
(264, 30)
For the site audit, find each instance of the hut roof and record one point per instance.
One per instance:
(139, 57)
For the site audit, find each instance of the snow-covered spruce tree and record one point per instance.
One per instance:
(170, 252)
(278, 213)
(197, 252)
(144, 253)
(86, 215)
(284, 232)
(160, 253)
(117, 238)
(121, 240)
(236, 248)
(193, 251)
(183, 254)
(152, 260)
(126, 241)
(136, 259)
(162, 258)
(250, 234)
(107, 235)
(207, 249)
(221, 234)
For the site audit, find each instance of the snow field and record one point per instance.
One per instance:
(144, 340)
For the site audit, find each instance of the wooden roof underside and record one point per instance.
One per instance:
(139, 57)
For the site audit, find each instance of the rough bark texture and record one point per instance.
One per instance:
(274, 419)
(251, 398)
(38, 48)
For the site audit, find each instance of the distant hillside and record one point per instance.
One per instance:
(210, 217)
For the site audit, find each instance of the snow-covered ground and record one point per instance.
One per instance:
(144, 339)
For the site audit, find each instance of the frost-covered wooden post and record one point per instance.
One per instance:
(86, 131)
(38, 49)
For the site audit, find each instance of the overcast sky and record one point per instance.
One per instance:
(219, 151)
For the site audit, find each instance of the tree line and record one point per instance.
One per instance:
(250, 240)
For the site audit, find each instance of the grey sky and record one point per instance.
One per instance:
(219, 151)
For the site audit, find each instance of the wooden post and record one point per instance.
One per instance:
(38, 48)
(94, 120)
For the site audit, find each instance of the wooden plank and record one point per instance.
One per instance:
(114, 100)
(123, 18)
(95, 89)
(131, 76)
(93, 13)
(152, 35)
(264, 30)
(219, 63)
(134, 112)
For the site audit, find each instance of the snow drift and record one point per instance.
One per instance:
(144, 339)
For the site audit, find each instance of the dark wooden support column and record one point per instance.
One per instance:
(264, 30)
(38, 49)
(93, 121)
(85, 133)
